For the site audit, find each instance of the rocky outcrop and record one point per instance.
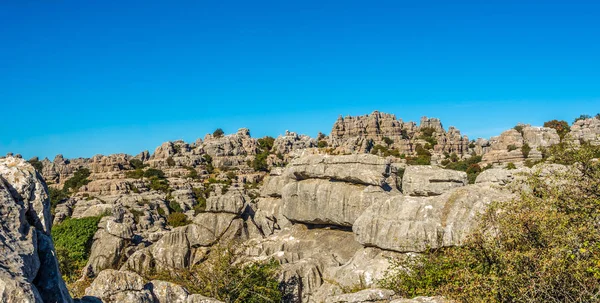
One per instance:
(334, 190)
(586, 130)
(28, 267)
(414, 224)
(363, 296)
(291, 141)
(361, 133)
(425, 180)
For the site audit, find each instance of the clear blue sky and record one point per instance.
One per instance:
(89, 77)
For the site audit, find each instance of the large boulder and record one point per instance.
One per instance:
(119, 286)
(425, 180)
(360, 168)
(586, 130)
(414, 224)
(28, 267)
(317, 201)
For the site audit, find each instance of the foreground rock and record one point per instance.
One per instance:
(28, 267)
(414, 224)
(424, 180)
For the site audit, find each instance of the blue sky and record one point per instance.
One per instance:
(98, 77)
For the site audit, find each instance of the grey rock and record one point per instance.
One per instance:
(231, 202)
(317, 201)
(425, 180)
(414, 224)
(366, 295)
(361, 168)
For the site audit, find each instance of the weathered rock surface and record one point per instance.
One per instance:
(362, 169)
(413, 224)
(587, 130)
(318, 201)
(367, 295)
(424, 180)
(28, 267)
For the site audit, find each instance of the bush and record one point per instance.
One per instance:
(37, 164)
(543, 246)
(138, 173)
(423, 157)
(322, 144)
(56, 196)
(511, 147)
(175, 207)
(525, 149)
(582, 117)
(266, 143)
(510, 165)
(170, 162)
(260, 162)
(178, 219)
(192, 173)
(159, 184)
(404, 134)
(136, 163)
(208, 163)
(388, 141)
(229, 277)
(153, 172)
(78, 180)
(562, 127)
(218, 133)
(73, 241)
(519, 128)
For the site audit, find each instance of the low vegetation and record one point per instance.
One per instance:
(423, 156)
(227, 276)
(73, 241)
(543, 246)
(37, 164)
(469, 165)
(218, 133)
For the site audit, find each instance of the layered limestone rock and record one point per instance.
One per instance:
(360, 134)
(333, 190)
(425, 180)
(366, 295)
(414, 224)
(586, 130)
(291, 142)
(508, 146)
(28, 267)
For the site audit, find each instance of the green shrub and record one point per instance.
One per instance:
(525, 149)
(138, 173)
(260, 162)
(543, 246)
(322, 144)
(159, 184)
(472, 144)
(227, 275)
(78, 180)
(178, 219)
(154, 173)
(423, 157)
(266, 143)
(510, 165)
(175, 207)
(511, 147)
(404, 134)
(37, 164)
(137, 164)
(192, 173)
(519, 128)
(170, 162)
(73, 241)
(218, 133)
(562, 127)
(388, 141)
(582, 117)
(208, 160)
(56, 196)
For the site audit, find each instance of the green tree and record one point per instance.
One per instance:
(582, 117)
(525, 149)
(78, 180)
(388, 141)
(562, 127)
(266, 143)
(137, 164)
(37, 164)
(218, 133)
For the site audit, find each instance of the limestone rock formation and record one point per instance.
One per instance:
(424, 180)
(28, 267)
(587, 130)
(413, 224)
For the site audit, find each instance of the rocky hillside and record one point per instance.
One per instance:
(328, 213)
